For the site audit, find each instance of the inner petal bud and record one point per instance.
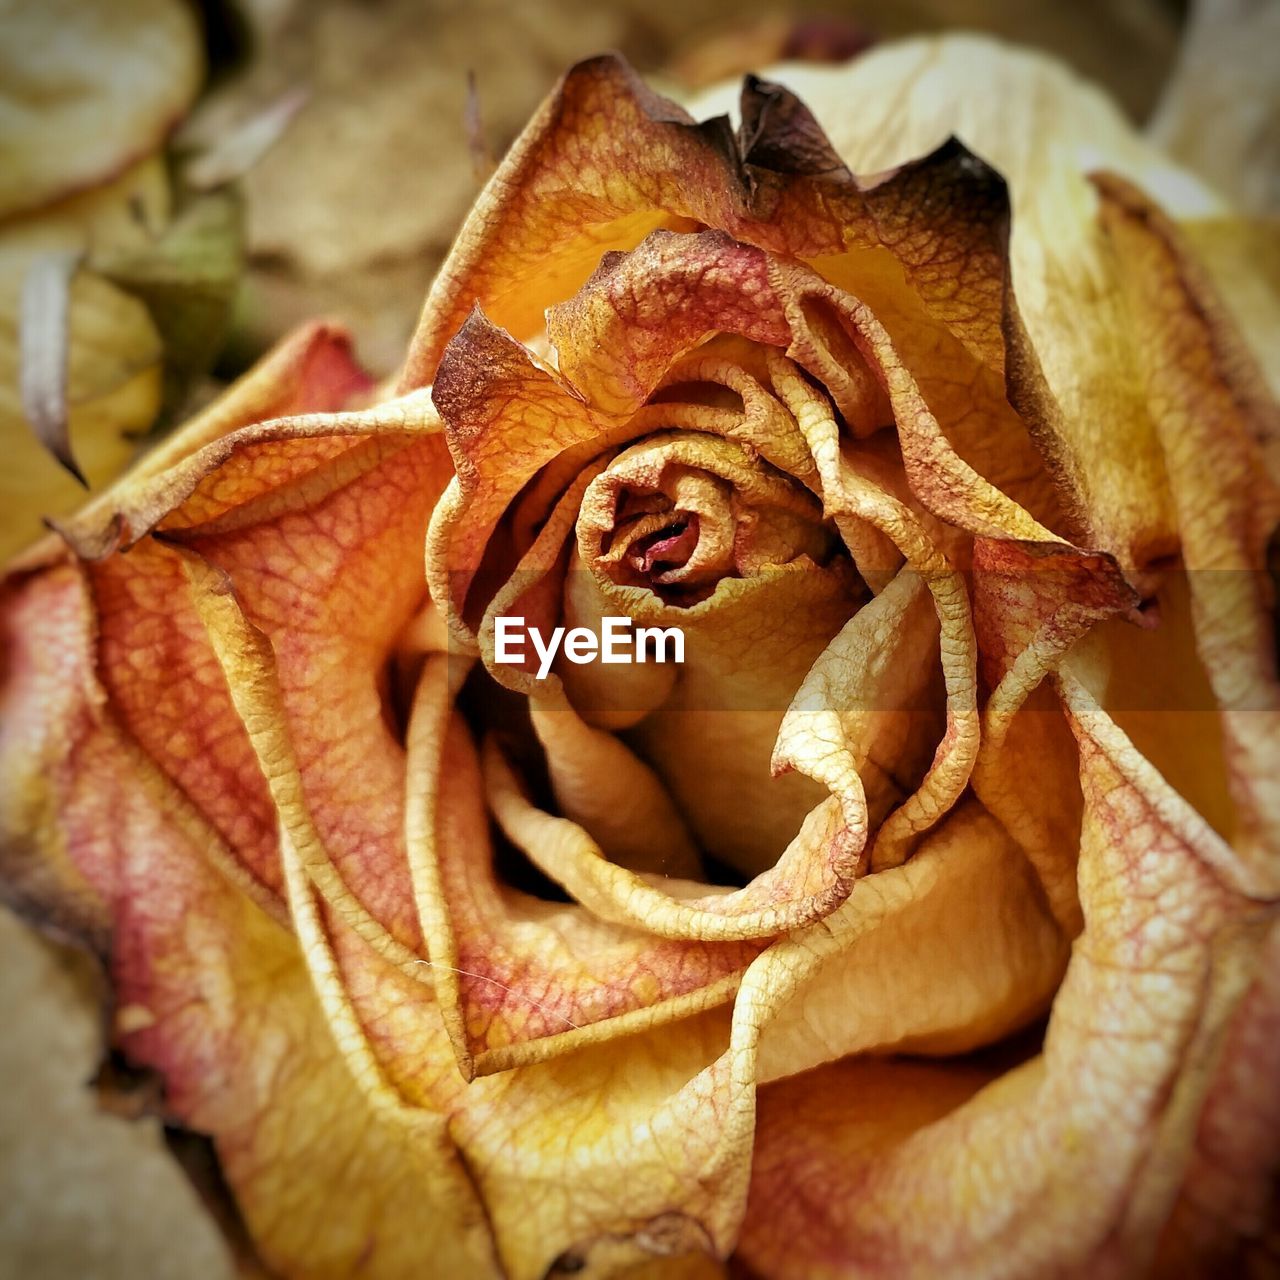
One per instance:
(695, 531)
(678, 513)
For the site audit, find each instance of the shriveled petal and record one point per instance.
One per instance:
(617, 1117)
(1072, 1160)
(323, 571)
(1242, 256)
(606, 161)
(1090, 414)
(1224, 1218)
(1126, 418)
(768, 593)
(1032, 603)
(310, 372)
(625, 1151)
(641, 311)
(210, 991)
(125, 638)
(519, 980)
(947, 953)
(50, 704)
(1209, 401)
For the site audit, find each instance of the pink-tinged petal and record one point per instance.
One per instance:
(210, 991)
(1224, 1221)
(517, 979)
(128, 631)
(641, 311)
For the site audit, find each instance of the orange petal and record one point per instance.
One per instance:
(128, 630)
(1075, 381)
(656, 1126)
(568, 192)
(210, 991)
(640, 311)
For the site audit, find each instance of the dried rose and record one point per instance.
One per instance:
(973, 564)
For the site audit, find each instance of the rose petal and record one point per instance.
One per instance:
(938, 1175)
(516, 979)
(210, 992)
(568, 192)
(899, 101)
(1224, 1218)
(864, 721)
(641, 311)
(846, 490)
(1243, 258)
(147, 636)
(657, 1126)
(304, 597)
(1032, 602)
(942, 955)
(1208, 400)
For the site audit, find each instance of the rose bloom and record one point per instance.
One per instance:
(919, 924)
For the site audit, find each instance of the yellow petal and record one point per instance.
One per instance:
(903, 100)
(1209, 401)
(1072, 1159)
(107, 86)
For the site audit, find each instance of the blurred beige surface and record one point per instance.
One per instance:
(350, 214)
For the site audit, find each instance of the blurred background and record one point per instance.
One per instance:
(181, 183)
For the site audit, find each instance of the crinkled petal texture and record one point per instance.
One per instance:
(914, 923)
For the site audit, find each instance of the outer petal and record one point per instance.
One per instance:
(900, 101)
(213, 994)
(620, 1153)
(1123, 418)
(134, 612)
(1208, 400)
(1072, 1161)
(660, 1183)
(606, 161)
(134, 784)
(946, 953)
(1224, 1219)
